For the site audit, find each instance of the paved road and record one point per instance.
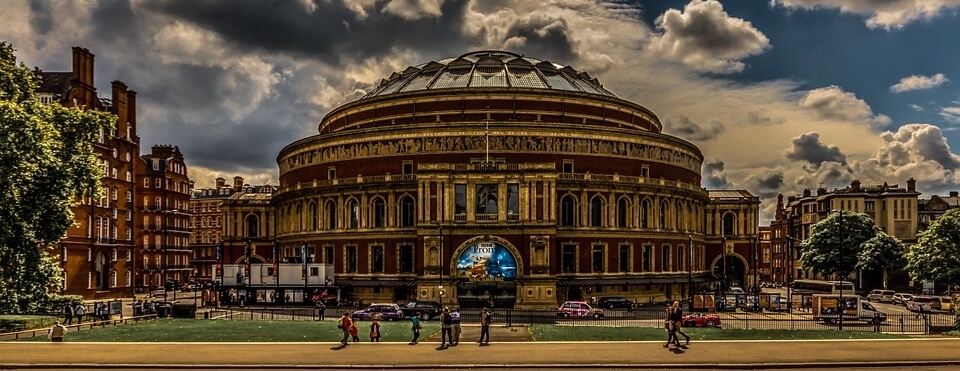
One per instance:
(714, 354)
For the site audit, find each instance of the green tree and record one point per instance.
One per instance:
(835, 243)
(881, 252)
(47, 163)
(936, 255)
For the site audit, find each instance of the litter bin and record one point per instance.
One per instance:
(184, 311)
(163, 310)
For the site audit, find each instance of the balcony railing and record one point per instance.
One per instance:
(487, 217)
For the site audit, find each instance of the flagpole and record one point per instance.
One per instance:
(486, 138)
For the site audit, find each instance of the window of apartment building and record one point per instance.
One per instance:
(596, 258)
(407, 212)
(376, 259)
(568, 166)
(513, 200)
(351, 256)
(868, 206)
(157, 183)
(129, 198)
(596, 212)
(128, 278)
(665, 265)
(567, 210)
(113, 173)
(648, 258)
(113, 278)
(156, 165)
(406, 259)
(487, 196)
(129, 176)
(379, 213)
(568, 262)
(328, 254)
(157, 204)
(460, 199)
(114, 194)
(407, 167)
(624, 258)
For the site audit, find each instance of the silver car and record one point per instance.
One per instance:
(901, 298)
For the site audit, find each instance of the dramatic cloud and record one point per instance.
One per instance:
(705, 37)
(685, 128)
(766, 184)
(808, 148)
(762, 117)
(714, 176)
(833, 103)
(917, 82)
(886, 14)
(915, 150)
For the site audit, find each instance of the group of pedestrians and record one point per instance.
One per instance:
(71, 311)
(450, 329)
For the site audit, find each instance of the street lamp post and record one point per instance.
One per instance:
(440, 263)
(841, 304)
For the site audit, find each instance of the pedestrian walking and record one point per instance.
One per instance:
(375, 330)
(446, 328)
(455, 319)
(676, 315)
(671, 329)
(354, 331)
(68, 314)
(78, 312)
(56, 332)
(486, 318)
(344, 324)
(415, 322)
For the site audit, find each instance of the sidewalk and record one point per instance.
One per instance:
(713, 354)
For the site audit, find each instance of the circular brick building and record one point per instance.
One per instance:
(495, 176)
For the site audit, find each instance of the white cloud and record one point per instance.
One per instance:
(916, 108)
(917, 82)
(414, 9)
(886, 14)
(705, 37)
(833, 103)
(951, 114)
(919, 151)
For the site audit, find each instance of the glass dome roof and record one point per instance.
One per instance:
(481, 69)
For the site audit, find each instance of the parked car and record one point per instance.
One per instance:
(942, 303)
(733, 290)
(611, 302)
(429, 309)
(701, 320)
(881, 296)
(578, 309)
(920, 302)
(385, 312)
(901, 298)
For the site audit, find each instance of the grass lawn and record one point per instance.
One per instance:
(29, 321)
(591, 333)
(188, 330)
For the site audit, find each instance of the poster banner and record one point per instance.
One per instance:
(487, 261)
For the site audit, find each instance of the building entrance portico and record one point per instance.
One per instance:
(486, 269)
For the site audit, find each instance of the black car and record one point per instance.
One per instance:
(611, 302)
(429, 309)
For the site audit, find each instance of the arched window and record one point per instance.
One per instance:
(622, 212)
(353, 207)
(314, 216)
(331, 215)
(379, 213)
(644, 214)
(664, 208)
(596, 212)
(679, 220)
(567, 207)
(253, 226)
(728, 224)
(406, 212)
(299, 217)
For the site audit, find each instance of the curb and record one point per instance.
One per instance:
(675, 366)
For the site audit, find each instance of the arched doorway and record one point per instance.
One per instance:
(486, 270)
(736, 271)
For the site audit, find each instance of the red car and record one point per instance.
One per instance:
(701, 320)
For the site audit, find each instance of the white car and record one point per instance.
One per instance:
(920, 302)
(881, 296)
(901, 298)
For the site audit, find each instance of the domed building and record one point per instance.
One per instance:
(498, 176)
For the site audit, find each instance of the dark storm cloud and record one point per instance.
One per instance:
(686, 128)
(114, 21)
(545, 37)
(331, 33)
(40, 18)
(808, 148)
(765, 185)
(713, 175)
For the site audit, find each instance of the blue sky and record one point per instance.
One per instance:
(780, 95)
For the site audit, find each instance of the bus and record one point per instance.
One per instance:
(823, 287)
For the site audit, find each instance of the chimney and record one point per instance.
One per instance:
(237, 183)
(221, 182)
(911, 185)
(821, 191)
(806, 192)
(83, 66)
(119, 97)
(954, 194)
(855, 185)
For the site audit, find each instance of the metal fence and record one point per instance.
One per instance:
(643, 317)
(88, 325)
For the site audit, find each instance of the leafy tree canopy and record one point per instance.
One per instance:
(46, 164)
(880, 252)
(834, 244)
(936, 256)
